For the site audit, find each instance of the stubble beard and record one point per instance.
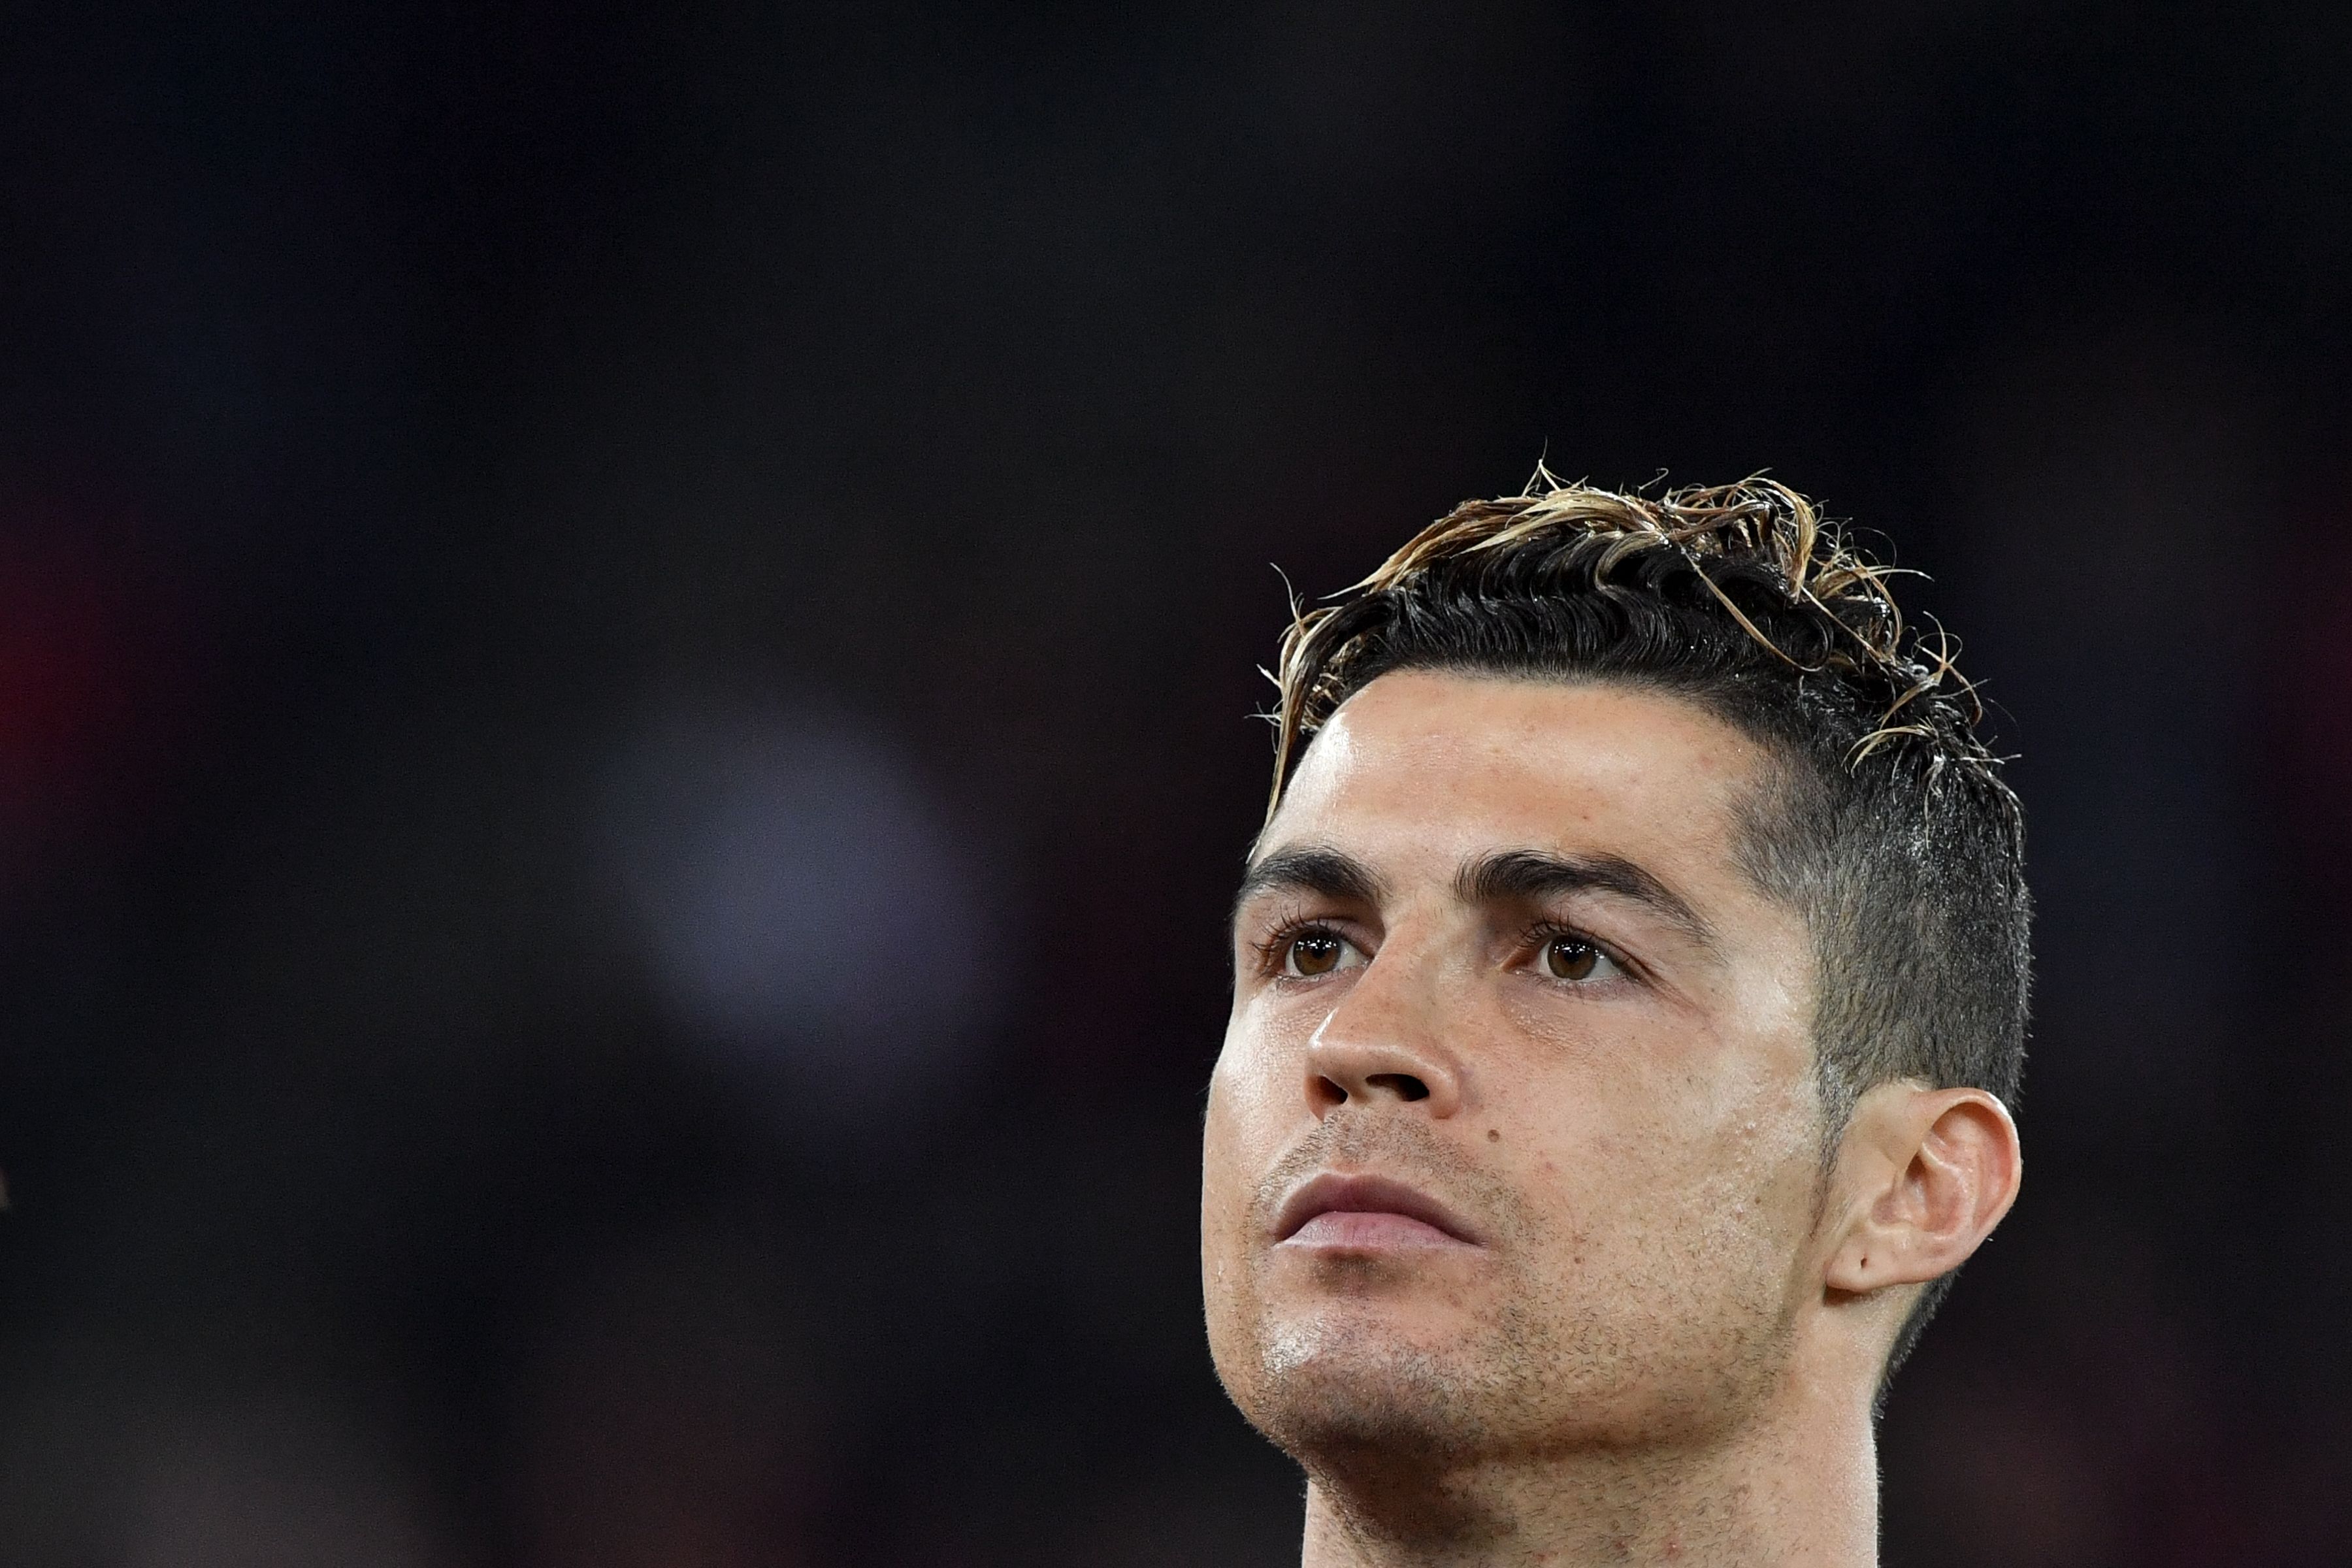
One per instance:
(1344, 1392)
(1536, 1369)
(1339, 1385)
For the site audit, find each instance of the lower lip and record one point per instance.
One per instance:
(1369, 1232)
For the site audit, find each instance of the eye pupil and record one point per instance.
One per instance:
(1568, 959)
(1314, 955)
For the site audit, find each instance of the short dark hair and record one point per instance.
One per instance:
(1887, 826)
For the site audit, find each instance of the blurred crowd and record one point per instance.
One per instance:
(627, 651)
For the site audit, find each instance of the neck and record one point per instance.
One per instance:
(1796, 1487)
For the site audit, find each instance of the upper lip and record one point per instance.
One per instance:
(1331, 1192)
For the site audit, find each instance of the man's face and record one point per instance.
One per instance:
(1514, 1141)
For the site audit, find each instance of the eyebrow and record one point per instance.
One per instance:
(1510, 875)
(1504, 876)
(1310, 869)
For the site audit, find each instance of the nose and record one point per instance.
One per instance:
(1382, 1044)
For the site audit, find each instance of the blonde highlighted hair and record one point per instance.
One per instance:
(1756, 530)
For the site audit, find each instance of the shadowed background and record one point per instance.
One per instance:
(626, 643)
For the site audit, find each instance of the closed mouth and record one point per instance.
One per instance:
(1395, 1214)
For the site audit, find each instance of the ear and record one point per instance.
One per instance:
(1925, 1174)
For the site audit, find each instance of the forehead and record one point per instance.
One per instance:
(1428, 768)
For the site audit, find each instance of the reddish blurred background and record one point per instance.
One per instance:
(626, 642)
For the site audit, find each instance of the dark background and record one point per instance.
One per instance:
(626, 643)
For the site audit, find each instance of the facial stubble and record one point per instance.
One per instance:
(1532, 1365)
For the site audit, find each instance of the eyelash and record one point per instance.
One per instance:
(1276, 945)
(1543, 933)
(1533, 940)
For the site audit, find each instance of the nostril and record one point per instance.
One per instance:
(1329, 1094)
(1406, 1085)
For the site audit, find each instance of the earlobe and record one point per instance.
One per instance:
(1928, 1176)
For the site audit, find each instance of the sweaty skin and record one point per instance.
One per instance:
(1515, 1228)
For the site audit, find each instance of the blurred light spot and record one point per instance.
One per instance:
(804, 905)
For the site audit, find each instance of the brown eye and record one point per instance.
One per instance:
(1573, 958)
(1315, 953)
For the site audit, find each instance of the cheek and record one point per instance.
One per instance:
(1592, 1098)
(1239, 1135)
(1233, 1156)
(1647, 1081)
(1222, 1141)
(1722, 1223)
(1650, 1146)
(1257, 1088)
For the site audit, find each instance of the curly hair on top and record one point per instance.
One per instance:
(1884, 821)
(1831, 607)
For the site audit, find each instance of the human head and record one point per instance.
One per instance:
(1861, 813)
(1888, 827)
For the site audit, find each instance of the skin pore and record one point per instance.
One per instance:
(1515, 1228)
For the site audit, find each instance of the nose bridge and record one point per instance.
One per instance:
(1385, 1040)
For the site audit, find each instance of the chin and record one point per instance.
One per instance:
(1344, 1384)
(1363, 1380)
(1350, 1336)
